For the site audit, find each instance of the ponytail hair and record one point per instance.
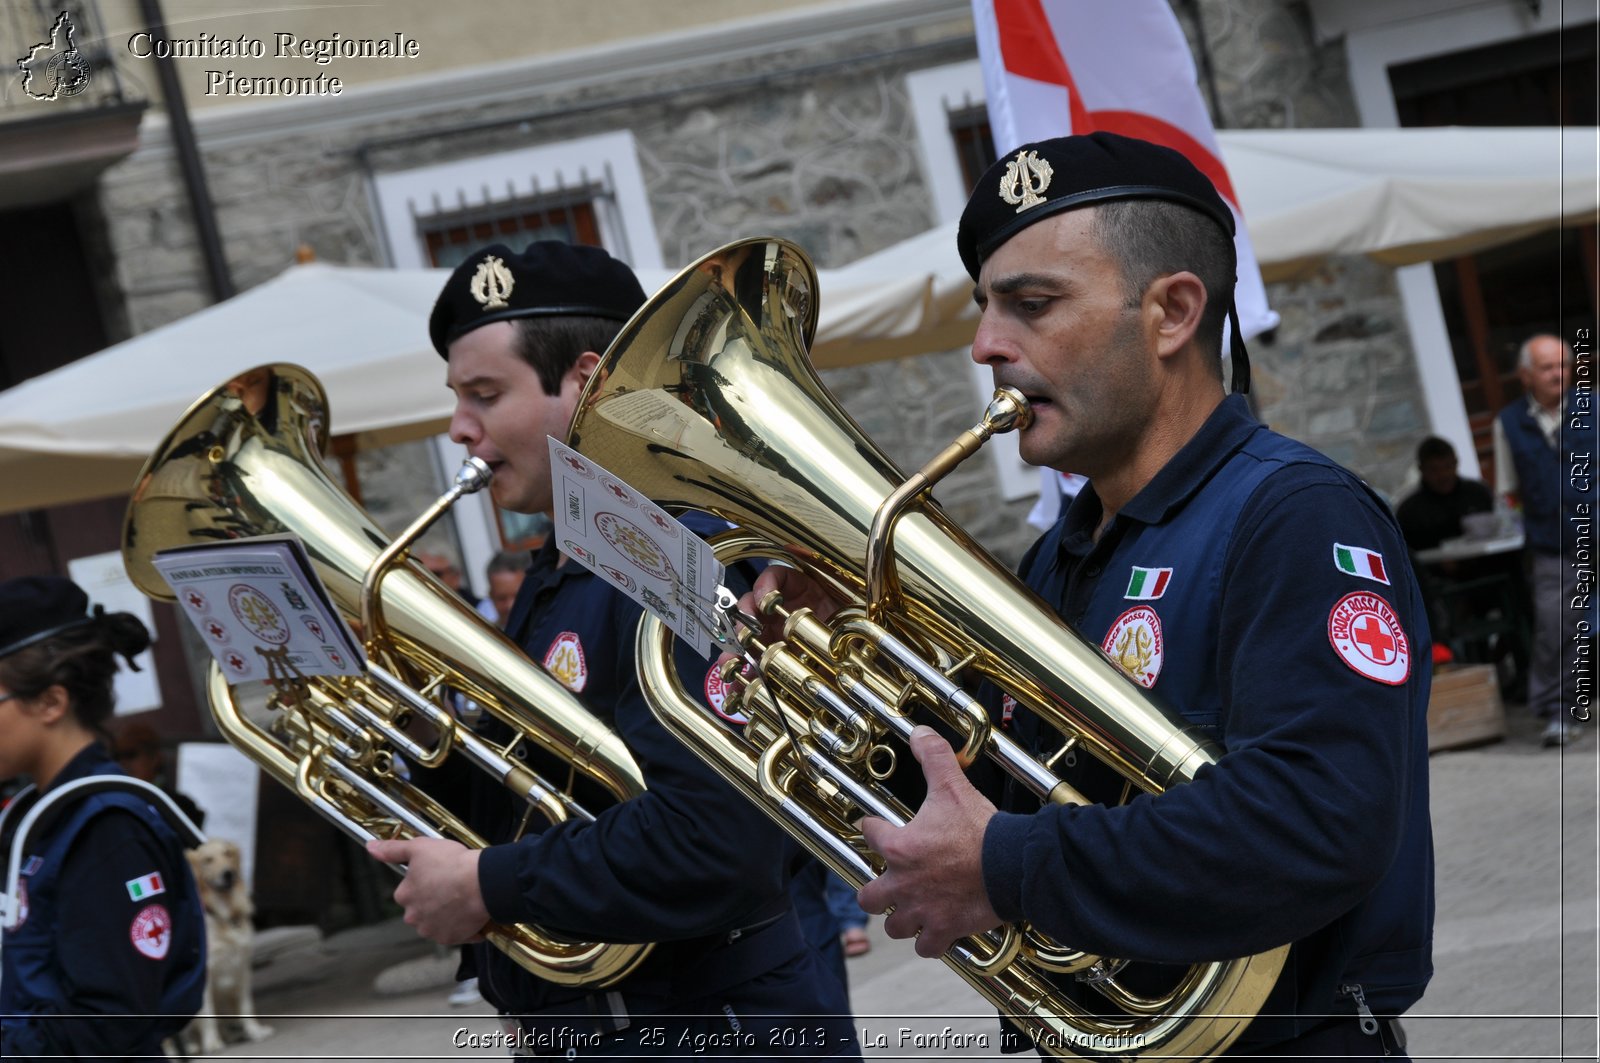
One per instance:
(82, 661)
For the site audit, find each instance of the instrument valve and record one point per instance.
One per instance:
(880, 761)
(1103, 971)
(960, 666)
(1067, 755)
(771, 604)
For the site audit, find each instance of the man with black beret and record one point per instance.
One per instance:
(687, 864)
(1250, 585)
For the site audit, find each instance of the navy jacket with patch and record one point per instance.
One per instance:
(1313, 825)
(92, 971)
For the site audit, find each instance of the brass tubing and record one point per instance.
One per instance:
(229, 471)
(471, 477)
(1008, 409)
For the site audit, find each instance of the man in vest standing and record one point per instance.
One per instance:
(1543, 454)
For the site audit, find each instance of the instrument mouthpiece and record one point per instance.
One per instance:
(474, 475)
(1008, 410)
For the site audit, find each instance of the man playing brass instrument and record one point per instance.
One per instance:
(1251, 585)
(686, 864)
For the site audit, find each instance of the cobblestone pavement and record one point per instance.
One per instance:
(1515, 955)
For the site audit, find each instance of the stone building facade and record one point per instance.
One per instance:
(809, 136)
(1339, 372)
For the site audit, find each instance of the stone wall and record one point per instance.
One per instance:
(812, 143)
(1339, 372)
(1268, 69)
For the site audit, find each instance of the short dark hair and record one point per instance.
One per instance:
(1434, 447)
(552, 344)
(1151, 238)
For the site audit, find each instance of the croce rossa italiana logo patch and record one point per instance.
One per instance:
(1367, 635)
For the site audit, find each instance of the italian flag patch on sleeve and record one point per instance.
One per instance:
(1356, 561)
(142, 888)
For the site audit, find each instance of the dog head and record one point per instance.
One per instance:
(218, 873)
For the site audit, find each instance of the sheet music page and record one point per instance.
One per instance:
(635, 545)
(251, 598)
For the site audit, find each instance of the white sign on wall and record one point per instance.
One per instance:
(224, 783)
(106, 582)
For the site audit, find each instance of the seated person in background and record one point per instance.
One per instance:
(1433, 513)
(1460, 593)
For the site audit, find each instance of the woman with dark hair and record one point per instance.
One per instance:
(103, 950)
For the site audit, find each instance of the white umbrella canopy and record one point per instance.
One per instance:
(1401, 196)
(85, 430)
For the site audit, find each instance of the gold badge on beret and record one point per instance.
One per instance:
(1026, 178)
(492, 284)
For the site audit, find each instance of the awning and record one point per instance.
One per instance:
(1403, 196)
(84, 430)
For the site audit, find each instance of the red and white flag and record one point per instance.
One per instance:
(1054, 67)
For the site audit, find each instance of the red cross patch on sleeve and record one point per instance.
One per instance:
(1366, 634)
(151, 931)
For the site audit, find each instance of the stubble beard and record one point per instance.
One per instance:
(1102, 422)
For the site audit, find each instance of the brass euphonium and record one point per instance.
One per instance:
(243, 463)
(707, 401)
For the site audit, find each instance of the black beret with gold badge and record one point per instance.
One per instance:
(1046, 177)
(549, 278)
(1049, 176)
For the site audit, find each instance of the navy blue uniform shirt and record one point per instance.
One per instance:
(111, 934)
(1262, 593)
(688, 864)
